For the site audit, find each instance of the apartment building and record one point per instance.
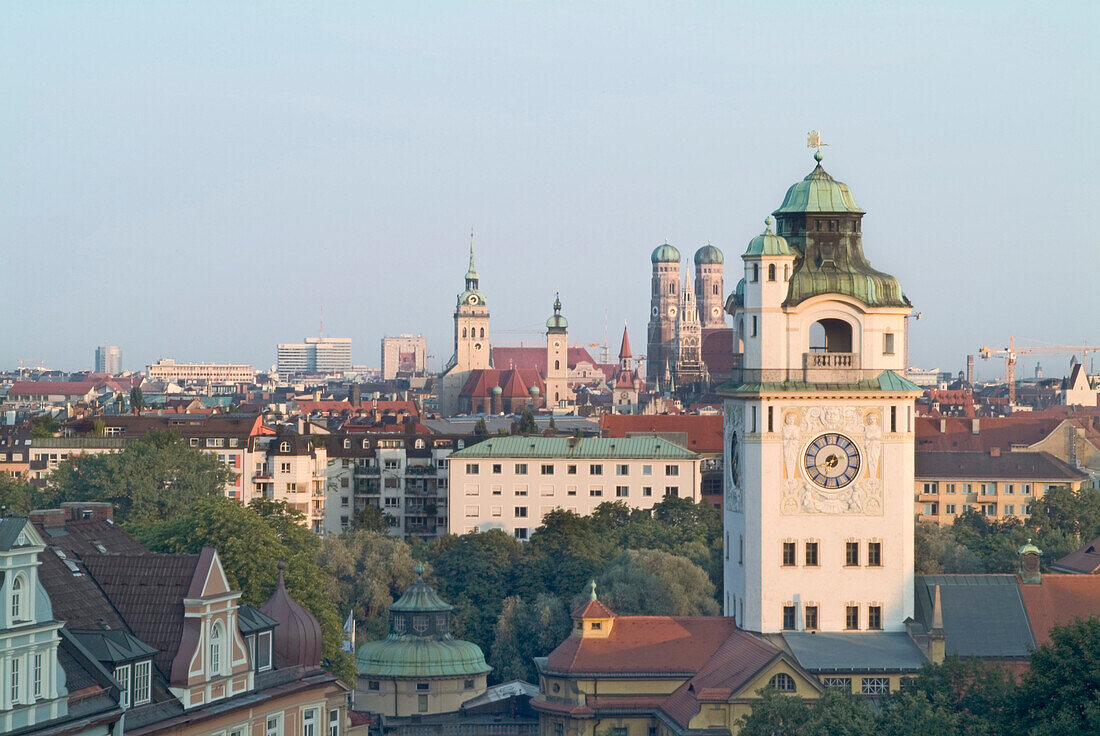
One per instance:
(291, 467)
(1001, 485)
(407, 354)
(510, 483)
(403, 473)
(315, 355)
(168, 369)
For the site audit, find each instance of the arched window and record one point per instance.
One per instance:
(482, 335)
(216, 649)
(284, 447)
(755, 272)
(464, 332)
(17, 598)
(830, 336)
(786, 273)
(672, 288)
(715, 290)
(771, 272)
(557, 364)
(783, 683)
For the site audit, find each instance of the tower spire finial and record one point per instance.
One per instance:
(592, 590)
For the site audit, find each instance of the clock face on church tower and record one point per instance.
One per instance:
(832, 461)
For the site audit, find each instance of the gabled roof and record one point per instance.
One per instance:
(1083, 561)
(592, 609)
(50, 388)
(624, 346)
(10, 528)
(1007, 465)
(1059, 599)
(983, 615)
(702, 432)
(114, 646)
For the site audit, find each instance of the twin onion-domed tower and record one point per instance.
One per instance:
(818, 418)
(679, 313)
(419, 668)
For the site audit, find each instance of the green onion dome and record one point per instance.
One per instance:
(708, 255)
(665, 253)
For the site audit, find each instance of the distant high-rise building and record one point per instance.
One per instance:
(315, 355)
(407, 354)
(108, 359)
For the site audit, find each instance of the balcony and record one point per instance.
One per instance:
(367, 471)
(831, 367)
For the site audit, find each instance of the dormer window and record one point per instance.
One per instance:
(284, 447)
(216, 649)
(17, 599)
(142, 682)
(347, 444)
(263, 651)
(122, 674)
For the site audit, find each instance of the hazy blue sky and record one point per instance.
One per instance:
(196, 180)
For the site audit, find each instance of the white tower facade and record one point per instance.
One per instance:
(819, 448)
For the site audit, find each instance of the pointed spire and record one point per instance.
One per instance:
(472, 273)
(937, 610)
(624, 348)
(557, 303)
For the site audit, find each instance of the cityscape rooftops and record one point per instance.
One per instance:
(1008, 465)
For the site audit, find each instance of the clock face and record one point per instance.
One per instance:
(716, 311)
(656, 311)
(477, 346)
(672, 311)
(832, 461)
(472, 299)
(557, 343)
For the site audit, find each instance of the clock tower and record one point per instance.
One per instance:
(818, 459)
(471, 341)
(664, 307)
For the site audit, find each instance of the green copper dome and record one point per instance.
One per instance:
(818, 192)
(769, 244)
(665, 253)
(709, 255)
(420, 642)
(557, 323)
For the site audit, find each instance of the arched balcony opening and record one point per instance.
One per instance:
(830, 336)
(830, 355)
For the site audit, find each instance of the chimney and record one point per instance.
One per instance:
(85, 510)
(943, 426)
(50, 517)
(1029, 556)
(355, 397)
(994, 452)
(975, 425)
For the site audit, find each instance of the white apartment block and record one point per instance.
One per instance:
(315, 355)
(404, 475)
(167, 369)
(511, 483)
(406, 354)
(291, 467)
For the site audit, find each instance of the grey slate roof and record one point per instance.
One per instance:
(114, 646)
(10, 526)
(983, 615)
(250, 620)
(1007, 465)
(840, 652)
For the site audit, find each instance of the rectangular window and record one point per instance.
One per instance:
(752, 423)
(274, 726)
(931, 509)
(263, 651)
(595, 469)
(672, 490)
(498, 468)
(472, 468)
(571, 469)
(309, 722)
(811, 554)
(949, 489)
(875, 686)
(622, 491)
(520, 512)
(771, 418)
(789, 554)
(647, 490)
(495, 510)
(893, 419)
(851, 554)
(519, 490)
(284, 468)
(874, 554)
(672, 470)
(193, 441)
(754, 325)
(851, 617)
(988, 489)
(741, 550)
(989, 509)
(291, 487)
(838, 683)
(547, 469)
(874, 617)
(423, 686)
(888, 343)
(468, 684)
(546, 489)
(472, 512)
(788, 618)
(1010, 489)
(141, 682)
(422, 703)
(930, 487)
(1009, 510)
(334, 722)
(521, 468)
(595, 491)
(647, 470)
(949, 508)
(811, 618)
(1025, 509)
(521, 532)
(622, 469)
(571, 490)
(36, 676)
(1025, 489)
(373, 685)
(122, 674)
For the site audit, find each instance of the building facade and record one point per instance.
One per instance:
(511, 483)
(710, 287)
(404, 354)
(324, 355)
(818, 457)
(664, 306)
(471, 341)
(108, 359)
(168, 369)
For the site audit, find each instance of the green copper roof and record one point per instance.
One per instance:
(557, 323)
(818, 192)
(419, 597)
(885, 381)
(708, 255)
(665, 254)
(567, 447)
(413, 656)
(768, 244)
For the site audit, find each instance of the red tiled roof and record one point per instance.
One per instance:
(514, 387)
(645, 644)
(1084, 561)
(480, 383)
(593, 609)
(1058, 600)
(534, 359)
(68, 388)
(312, 407)
(624, 348)
(1025, 428)
(704, 431)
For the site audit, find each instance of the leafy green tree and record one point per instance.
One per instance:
(833, 714)
(43, 426)
(366, 571)
(936, 551)
(481, 429)
(1064, 519)
(775, 715)
(137, 399)
(372, 519)
(960, 696)
(525, 630)
(154, 478)
(250, 546)
(1061, 692)
(552, 426)
(653, 582)
(563, 555)
(17, 496)
(527, 423)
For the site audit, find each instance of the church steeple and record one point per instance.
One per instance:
(471, 274)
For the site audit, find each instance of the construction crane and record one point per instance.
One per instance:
(1012, 351)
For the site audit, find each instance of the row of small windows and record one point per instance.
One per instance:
(811, 621)
(621, 469)
(771, 415)
(754, 272)
(812, 554)
(474, 332)
(472, 489)
(273, 726)
(24, 689)
(984, 489)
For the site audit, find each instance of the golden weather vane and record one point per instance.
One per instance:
(813, 139)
